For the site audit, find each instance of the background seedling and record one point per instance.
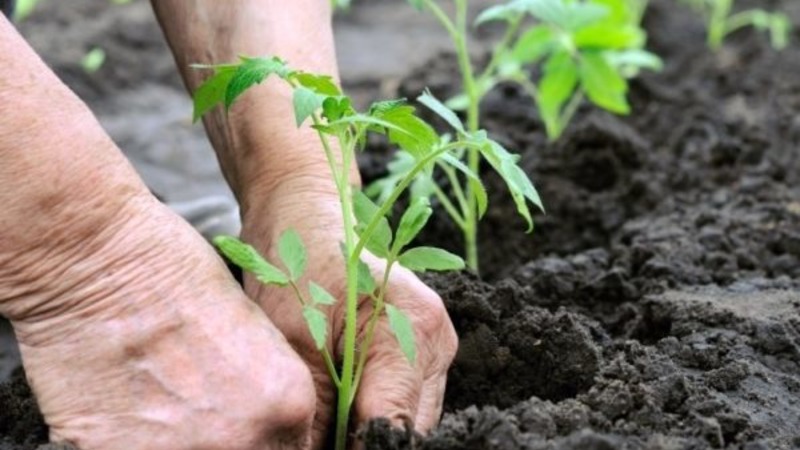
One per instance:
(319, 101)
(581, 49)
(722, 21)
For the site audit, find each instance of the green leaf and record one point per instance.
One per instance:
(365, 210)
(412, 222)
(421, 259)
(366, 283)
(212, 91)
(519, 185)
(507, 12)
(334, 108)
(533, 44)
(416, 137)
(317, 323)
(604, 36)
(403, 331)
(319, 295)
(634, 58)
(442, 111)
(253, 71)
(292, 253)
(306, 102)
(556, 86)
(321, 84)
(246, 257)
(603, 84)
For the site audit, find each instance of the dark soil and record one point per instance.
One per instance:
(657, 304)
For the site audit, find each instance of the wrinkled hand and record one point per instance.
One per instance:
(390, 387)
(141, 339)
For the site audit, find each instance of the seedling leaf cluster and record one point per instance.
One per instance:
(319, 102)
(721, 21)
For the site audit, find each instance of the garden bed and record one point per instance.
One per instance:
(657, 304)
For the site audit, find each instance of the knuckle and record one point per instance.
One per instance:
(292, 400)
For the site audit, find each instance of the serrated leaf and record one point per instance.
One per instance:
(382, 106)
(321, 84)
(603, 84)
(305, 102)
(250, 72)
(507, 12)
(442, 111)
(403, 331)
(293, 254)
(416, 137)
(421, 259)
(334, 108)
(412, 222)
(366, 283)
(319, 295)
(246, 257)
(365, 210)
(212, 91)
(317, 323)
(519, 185)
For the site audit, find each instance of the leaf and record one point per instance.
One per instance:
(212, 91)
(604, 36)
(321, 84)
(421, 259)
(459, 102)
(635, 58)
(533, 44)
(317, 323)
(334, 108)
(412, 222)
(507, 12)
(246, 257)
(403, 331)
(319, 295)
(556, 86)
(293, 254)
(380, 107)
(603, 85)
(305, 103)
(442, 111)
(418, 4)
(366, 283)
(416, 137)
(253, 71)
(365, 211)
(519, 185)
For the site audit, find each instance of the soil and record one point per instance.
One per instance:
(657, 303)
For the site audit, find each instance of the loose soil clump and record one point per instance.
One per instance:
(657, 304)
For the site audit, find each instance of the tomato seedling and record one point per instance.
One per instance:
(722, 21)
(580, 48)
(318, 100)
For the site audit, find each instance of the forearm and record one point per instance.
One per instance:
(258, 143)
(61, 177)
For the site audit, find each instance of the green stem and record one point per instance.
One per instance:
(499, 50)
(717, 23)
(448, 206)
(456, 185)
(351, 305)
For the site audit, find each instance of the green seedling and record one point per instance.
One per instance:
(580, 49)
(722, 21)
(320, 102)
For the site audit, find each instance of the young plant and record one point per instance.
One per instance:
(366, 226)
(580, 48)
(721, 21)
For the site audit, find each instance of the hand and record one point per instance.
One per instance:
(142, 340)
(390, 387)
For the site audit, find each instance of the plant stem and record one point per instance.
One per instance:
(346, 391)
(502, 46)
(717, 23)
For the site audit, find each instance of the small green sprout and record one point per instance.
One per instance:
(722, 21)
(93, 60)
(319, 101)
(581, 49)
